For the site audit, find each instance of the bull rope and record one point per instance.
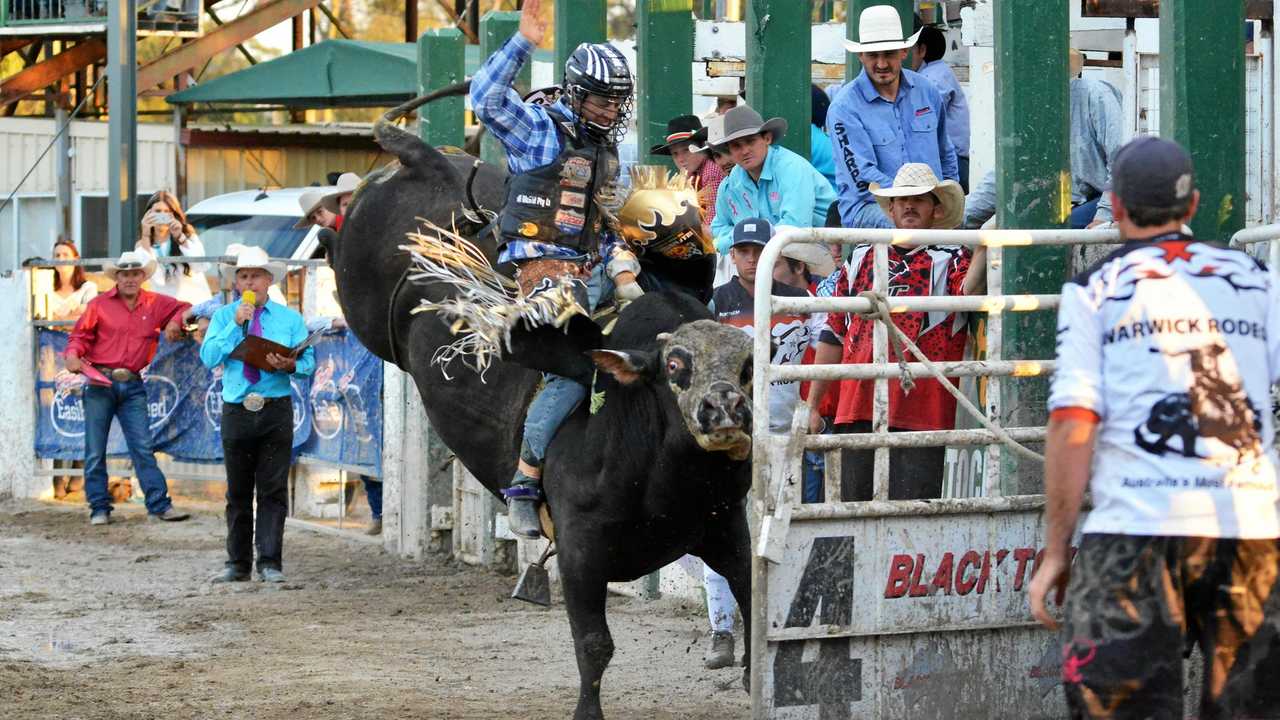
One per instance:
(487, 306)
(880, 311)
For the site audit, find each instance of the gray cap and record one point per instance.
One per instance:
(1152, 172)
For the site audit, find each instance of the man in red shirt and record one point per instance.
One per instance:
(917, 201)
(112, 342)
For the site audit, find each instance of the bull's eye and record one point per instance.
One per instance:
(679, 368)
(747, 369)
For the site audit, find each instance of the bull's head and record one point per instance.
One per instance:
(707, 366)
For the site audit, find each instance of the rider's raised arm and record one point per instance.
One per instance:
(520, 127)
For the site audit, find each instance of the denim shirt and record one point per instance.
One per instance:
(955, 102)
(872, 137)
(790, 192)
(279, 324)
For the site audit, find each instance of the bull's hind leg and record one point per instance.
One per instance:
(584, 597)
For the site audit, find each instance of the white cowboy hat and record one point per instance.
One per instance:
(918, 179)
(255, 257)
(880, 29)
(743, 121)
(309, 201)
(712, 135)
(132, 260)
(347, 183)
(815, 256)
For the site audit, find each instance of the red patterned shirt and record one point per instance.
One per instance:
(936, 270)
(707, 179)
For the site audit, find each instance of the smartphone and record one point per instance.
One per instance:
(161, 218)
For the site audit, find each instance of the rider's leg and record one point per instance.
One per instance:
(557, 399)
(721, 609)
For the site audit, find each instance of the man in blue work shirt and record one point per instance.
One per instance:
(886, 117)
(561, 157)
(257, 416)
(768, 181)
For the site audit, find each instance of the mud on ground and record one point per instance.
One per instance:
(120, 622)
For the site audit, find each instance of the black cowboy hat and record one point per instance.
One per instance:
(683, 128)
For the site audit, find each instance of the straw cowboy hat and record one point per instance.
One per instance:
(132, 260)
(918, 179)
(880, 29)
(712, 135)
(309, 201)
(255, 257)
(684, 128)
(743, 121)
(815, 256)
(347, 183)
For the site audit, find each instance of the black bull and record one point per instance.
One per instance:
(628, 487)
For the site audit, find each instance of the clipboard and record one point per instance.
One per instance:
(253, 350)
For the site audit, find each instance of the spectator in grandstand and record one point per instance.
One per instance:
(686, 144)
(72, 291)
(337, 200)
(819, 144)
(1097, 131)
(257, 416)
(313, 212)
(770, 182)
(166, 233)
(112, 342)
(916, 200)
(1160, 406)
(930, 49)
(886, 117)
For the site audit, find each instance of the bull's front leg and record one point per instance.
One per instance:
(585, 590)
(727, 550)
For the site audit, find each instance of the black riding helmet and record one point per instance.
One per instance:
(599, 69)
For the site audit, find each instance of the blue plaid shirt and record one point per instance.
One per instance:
(527, 132)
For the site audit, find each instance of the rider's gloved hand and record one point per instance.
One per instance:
(626, 292)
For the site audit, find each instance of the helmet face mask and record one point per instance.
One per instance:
(599, 70)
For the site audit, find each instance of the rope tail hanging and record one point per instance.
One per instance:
(484, 306)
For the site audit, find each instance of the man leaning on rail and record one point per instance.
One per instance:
(916, 201)
(1161, 406)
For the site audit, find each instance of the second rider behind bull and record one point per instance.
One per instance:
(561, 157)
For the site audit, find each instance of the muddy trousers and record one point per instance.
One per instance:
(1136, 603)
(257, 450)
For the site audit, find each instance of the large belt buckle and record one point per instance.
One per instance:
(253, 402)
(121, 374)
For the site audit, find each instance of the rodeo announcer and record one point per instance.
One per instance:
(1161, 406)
(562, 157)
(257, 415)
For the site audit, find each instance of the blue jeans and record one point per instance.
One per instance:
(127, 401)
(558, 396)
(373, 493)
(1082, 214)
(869, 215)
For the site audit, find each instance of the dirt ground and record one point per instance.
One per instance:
(121, 622)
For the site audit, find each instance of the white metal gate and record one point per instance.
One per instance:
(891, 609)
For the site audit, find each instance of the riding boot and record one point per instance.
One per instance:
(523, 498)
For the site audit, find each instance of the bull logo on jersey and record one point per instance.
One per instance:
(1214, 407)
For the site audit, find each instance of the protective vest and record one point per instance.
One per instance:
(556, 202)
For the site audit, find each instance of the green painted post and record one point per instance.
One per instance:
(707, 9)
(853, 11)
(495, 29)
(779, 66)
(577, 21)
(1033, 190)
(441, 63)
(664, 53)
(1202, 104)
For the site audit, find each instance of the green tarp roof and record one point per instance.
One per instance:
(332, 73)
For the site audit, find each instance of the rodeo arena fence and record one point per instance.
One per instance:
(337, 412)
(902, 608)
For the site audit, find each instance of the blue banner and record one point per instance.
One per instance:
(184, 403)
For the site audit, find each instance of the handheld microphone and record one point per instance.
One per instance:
(248, 298)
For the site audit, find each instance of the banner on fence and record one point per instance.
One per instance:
(184, 403)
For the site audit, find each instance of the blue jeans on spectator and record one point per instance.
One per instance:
(559, 396)
(373, 493)
(815, 466)
(127, 401)
(1082, 214)
(870, 215)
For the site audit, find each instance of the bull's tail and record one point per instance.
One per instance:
(412, 152)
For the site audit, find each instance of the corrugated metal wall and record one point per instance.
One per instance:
(214, 171)
(23, 139)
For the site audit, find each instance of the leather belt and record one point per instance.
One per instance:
(254, 402)
(120, 374)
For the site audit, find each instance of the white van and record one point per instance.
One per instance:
(264, 218)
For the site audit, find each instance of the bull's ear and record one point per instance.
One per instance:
(626, 367)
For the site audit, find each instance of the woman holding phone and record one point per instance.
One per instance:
(166, 232)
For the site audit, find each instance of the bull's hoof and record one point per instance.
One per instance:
(746, 676)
